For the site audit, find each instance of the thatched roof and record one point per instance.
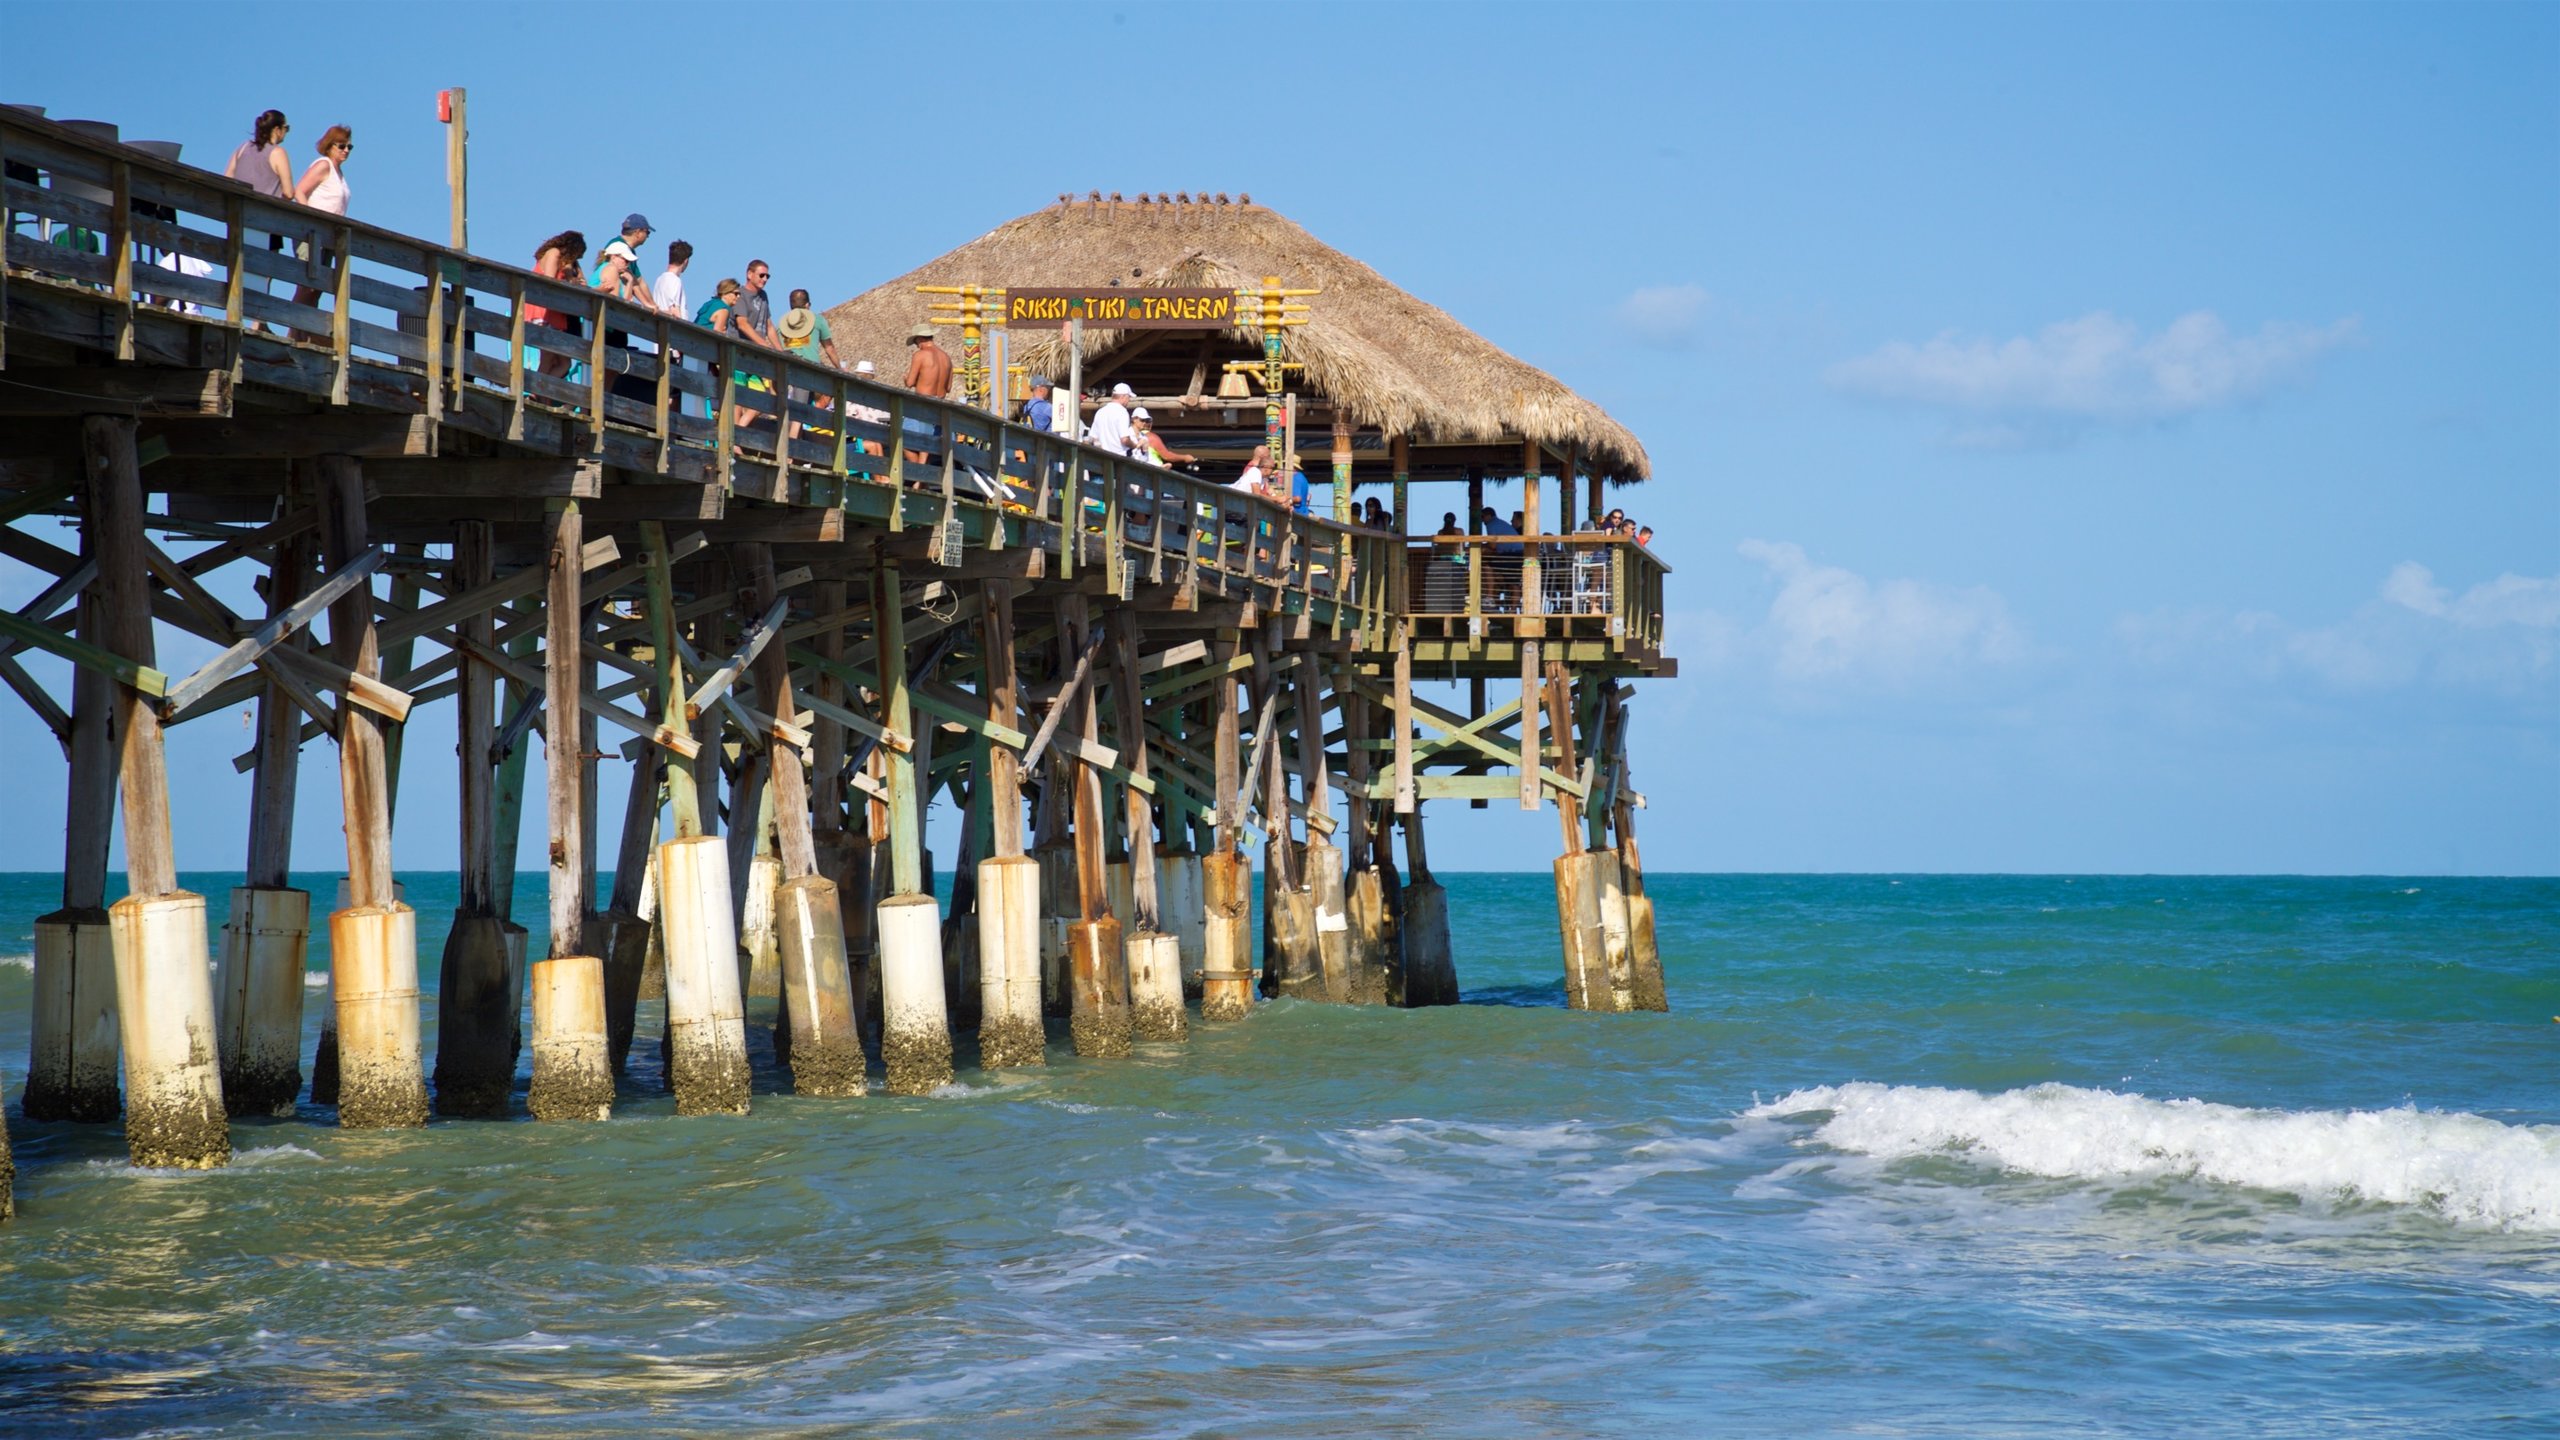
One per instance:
(1384, 358)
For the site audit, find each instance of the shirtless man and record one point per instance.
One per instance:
(928, 374)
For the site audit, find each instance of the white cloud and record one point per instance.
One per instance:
(2097, 369)
(2499, 635)
(1828, 624)
(1664, 316)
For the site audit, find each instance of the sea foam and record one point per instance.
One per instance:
(2467, 1168)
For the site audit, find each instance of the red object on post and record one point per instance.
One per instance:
(444, 106)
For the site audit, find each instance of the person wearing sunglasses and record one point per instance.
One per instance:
(324, 188)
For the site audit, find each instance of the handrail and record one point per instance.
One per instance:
(762, 423)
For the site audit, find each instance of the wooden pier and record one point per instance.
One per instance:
(794, 634)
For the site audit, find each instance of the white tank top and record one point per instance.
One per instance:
(331, 193)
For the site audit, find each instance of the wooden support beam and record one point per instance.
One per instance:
(683, 802)
(793, 838)
(757, 636)
(130, 390)
(1139, 816)
(298, 437)
(476, 726)
(248, 649)
(124, 608)
(564, 770)
(531, 678)
(478, 480)
(1077, 704)
(1532, 604)
(1001, 795)
(88, 818)
(1072, 692)
(889, 620)
(361, 779)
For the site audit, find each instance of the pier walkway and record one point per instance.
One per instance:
(797, 634)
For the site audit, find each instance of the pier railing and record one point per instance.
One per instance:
(1606, 580)
(367, 317)
(110, 246)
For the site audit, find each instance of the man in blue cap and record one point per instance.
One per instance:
(635, 233)
(1040, 415)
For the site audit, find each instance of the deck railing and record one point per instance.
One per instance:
(1471, 578)
(370, 317)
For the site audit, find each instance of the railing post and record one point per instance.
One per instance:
(120, 255)
(595, 372)
(339, 332)
(665, 424)
(515, 357)
(234, 244)
(844, 428)
(898, 463)
(725, 424)
(435, 339)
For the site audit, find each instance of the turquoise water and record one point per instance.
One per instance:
(1913, 1156)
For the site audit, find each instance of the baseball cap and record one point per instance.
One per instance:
(1123, 389)
(637, 221)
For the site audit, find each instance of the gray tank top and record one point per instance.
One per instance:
(249, 166)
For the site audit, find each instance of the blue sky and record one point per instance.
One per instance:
(2089, 438)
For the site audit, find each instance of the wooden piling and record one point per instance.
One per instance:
(1153, 956)
(1323, 874)
(164, 990)
(258, 979)
(623, 932)
(475, 1031)
(1010, 1033)
(373, 941)
(706, 1020)
(1226, 878)
(815, 980)
(72, 1060)
(1097, 963)
(572, 1066)
(915, 1031)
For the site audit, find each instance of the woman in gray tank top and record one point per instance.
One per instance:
(260, 165)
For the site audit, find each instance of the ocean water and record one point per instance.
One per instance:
(1912, 1155)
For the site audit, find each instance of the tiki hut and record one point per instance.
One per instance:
(1375, 364)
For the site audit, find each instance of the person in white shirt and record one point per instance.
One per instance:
(667, 291)
(1111, 423)
(1250, 482)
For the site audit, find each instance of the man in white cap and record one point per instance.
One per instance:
(1111, 422)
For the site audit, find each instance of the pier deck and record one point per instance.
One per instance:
(798, 635)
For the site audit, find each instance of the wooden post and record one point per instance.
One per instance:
(818, 1020)
(373, 940)
(915, 1041)
(1323, 867)
(572, 877)
(72, 1051)
(1532, 606)
(572, 1066)
(475, 1024)
(622, 932)
(1365, 895)
(1226, 879)
(684, 804)
(1009, 918)
(1099, 1017)
(1154, 957)
(164, 993)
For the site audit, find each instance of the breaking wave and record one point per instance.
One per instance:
(2466, 1168)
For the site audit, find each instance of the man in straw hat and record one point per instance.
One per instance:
(801, 326)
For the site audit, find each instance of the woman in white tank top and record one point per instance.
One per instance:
(324, 185)
(324, 188)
